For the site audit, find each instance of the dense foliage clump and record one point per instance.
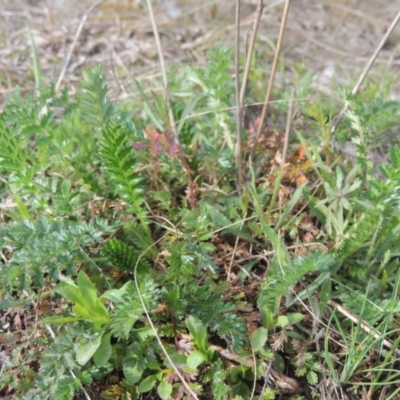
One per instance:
(133, 263)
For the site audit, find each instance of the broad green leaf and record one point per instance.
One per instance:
(101, 312)
(69, 291)
(195, 358)
(116, 295)
(84, 313)
(241, 391)
(85, 352)
(133, 369)
(147, 384)
(88, 291)
(103, 353)
(282, 321)
(259, 338)
(295, 318)
(179, 360)
(81, 311)
(198, 332)
(55, 319)
(267, 317)
(164, 390)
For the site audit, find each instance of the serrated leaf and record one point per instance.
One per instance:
(85, 352)
(104, 351)
(312, 377)
(258, 339)
(133, 369)
(220, 389)
(164, 390)
(179, 360)
(147, 384)
(195, 358)
(116, 295)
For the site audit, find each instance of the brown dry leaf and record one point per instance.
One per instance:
(285, 384)
(161, 308)
(279, 340)
(300, 359)
(308, 237)
(184, 346)
(17, 322)
(43, 307)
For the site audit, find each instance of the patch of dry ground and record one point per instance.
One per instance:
(335, 38)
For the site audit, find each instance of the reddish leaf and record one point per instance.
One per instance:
(152, 134)
(139, 145)
(155, 145)
(170, 144)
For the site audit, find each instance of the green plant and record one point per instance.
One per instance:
(142, 265)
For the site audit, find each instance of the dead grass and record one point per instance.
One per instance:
(333, 38)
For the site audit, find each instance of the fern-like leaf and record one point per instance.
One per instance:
(96, 109)
(119, 165)
(124, 257)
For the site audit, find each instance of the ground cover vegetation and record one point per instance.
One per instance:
(136, 262)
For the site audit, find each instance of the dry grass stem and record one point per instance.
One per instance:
(338, 119)
(239, 104)
(288, 127)
(254, 30)
(272, 76)
(71, 50)
(163, 69)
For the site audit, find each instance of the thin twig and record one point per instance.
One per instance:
(338, 119)
(228, 275)
(240, 101)
(256, 23)
(71, 50)
(272, 77)
(266, 379)
(288, 127)
(163, 69)
(253, 391)
(239, 104)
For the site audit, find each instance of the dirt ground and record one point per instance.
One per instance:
(334, 38)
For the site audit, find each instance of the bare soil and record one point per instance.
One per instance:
(334, 38)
